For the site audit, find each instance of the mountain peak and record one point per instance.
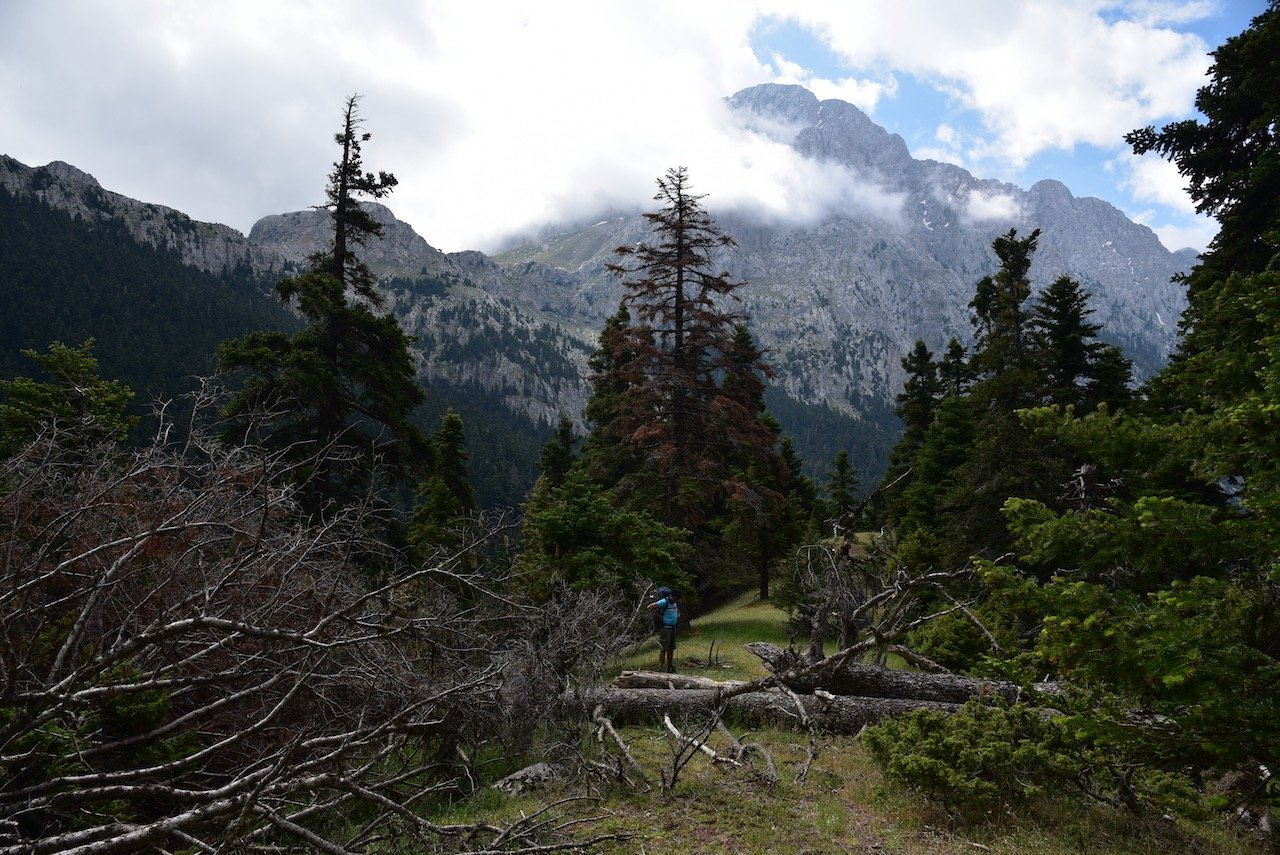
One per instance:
(64, 171)
(1051, 188)
(786, 103)
(401, 251)
(831, 130)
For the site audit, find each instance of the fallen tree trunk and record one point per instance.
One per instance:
(660, 680)
(873, 681)
(829, 713)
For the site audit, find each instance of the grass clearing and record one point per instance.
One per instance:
(845, 805)
(742, 620)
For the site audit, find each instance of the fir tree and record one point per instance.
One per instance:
(678, 388)
(919, 395)
(450, 446)
(576, 534)
(1002, 359)
(605, 451)
(917, 403)
(558, 453)
(842, 486)
(75, 400)
(954, 373)
(757, 477)
(445, 507)
(1077, 370)
(345, 383)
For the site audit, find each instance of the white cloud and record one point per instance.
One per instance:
(1160, 12)
(760, 176)
(1041, 74)
(864, 94)
(494, 116)
(948, 146)
(982, 207)
(1187, 232)
(1151, 178)
(503, 115)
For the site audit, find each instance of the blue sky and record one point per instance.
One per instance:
(932, 106)
(500, 117)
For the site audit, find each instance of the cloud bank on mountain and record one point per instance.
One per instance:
(501, 116)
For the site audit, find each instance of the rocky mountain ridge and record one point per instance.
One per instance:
(837, 301)
(211, 247)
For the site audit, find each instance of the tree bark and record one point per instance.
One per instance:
(863, 680)
(840, 715)
(659, 680)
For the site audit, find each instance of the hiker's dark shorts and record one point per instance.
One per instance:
(667, 638)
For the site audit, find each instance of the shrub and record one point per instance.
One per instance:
(988, 756)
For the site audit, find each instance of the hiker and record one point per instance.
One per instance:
(666, 612)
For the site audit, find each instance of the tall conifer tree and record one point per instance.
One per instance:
(1076, 368)
(341, 391)
(685, 387)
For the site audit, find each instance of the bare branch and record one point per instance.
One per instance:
(188, 662)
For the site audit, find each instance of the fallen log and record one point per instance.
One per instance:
(661, 680)
(828, 713)
(874, 681)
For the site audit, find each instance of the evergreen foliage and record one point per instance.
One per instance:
(820, 432)
(1003, 348)
(346, 382)
(154, 321)
(503, 444)
(605, 452)
(444, 512)
(74, 399)
(1078, 370)
(842, 486)
(1148, 581)
(679, 425)
(558, 453)
(918, 398)
(688, 380)
(1230, 158)
(965, 450)
(917, 405)
(574, 533)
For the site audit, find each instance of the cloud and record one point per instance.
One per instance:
(981, 206)
(493, 116)
(948, 145)
(1041, 74)
(1194, 232)
(864, 94)
(760, 176)
(1155, 13)
(502, 116)
(1151, 178)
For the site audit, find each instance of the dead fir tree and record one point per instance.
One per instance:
(687, 377)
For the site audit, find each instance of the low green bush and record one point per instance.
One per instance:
(997, 755)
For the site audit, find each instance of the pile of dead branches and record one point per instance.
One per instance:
(189, 663)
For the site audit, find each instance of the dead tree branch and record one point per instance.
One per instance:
(189, 662)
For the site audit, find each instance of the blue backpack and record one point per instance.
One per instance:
(664, 593)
